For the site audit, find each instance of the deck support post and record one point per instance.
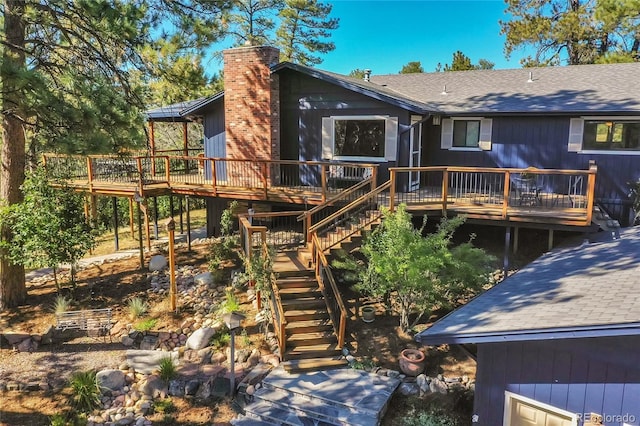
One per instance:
(114, 203)
(140, 245)
(94, 211)
(152, 146)
(185, 139)
(131, 222)
(186, 205)
(516, 238)
(155, 217)
(507, 243)
(550, 246)
(181, 221)
(147, 226)
(171, 206)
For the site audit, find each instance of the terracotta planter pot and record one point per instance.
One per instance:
(368, 313)
(412, 362)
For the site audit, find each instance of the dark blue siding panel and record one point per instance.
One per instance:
(599, 375)
(542, 142)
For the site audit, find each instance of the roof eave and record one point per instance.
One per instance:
(629, 329)
(404, 104)
(194, 109)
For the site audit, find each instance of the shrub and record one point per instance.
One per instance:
(220, 339)
(366, 364)
(145, 325)
(428, 418)
(58, 420)
(245, 339)
(137, 307)
(165, 406)
(167, 369)
(230, 303)
(85, 391)
(61, 304)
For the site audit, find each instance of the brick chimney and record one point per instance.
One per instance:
(251, 103)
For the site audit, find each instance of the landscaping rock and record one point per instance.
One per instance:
(409, 389)
(192, 387)
(438, 385)
(157, 263)
(153, 386)
(28, 345)
(127, 341)
(176, 388)
(14, 338)
(110, 380)
(205, 278)
(200, 338)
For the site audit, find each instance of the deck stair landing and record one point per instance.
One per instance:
(332, 397)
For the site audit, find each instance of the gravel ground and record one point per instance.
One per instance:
(55, 363)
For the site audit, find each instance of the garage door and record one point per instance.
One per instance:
(522, 411)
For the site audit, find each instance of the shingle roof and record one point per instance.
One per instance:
(610, 88)
(173, 112)
(586, 291)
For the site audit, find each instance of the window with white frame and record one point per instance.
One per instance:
(520, 410)
(601, 134)
(466, 133)
(366, 138)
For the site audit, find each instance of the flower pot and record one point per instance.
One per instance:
(368, 313)
(412, 362)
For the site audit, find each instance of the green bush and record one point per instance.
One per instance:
(85, 391)
(61, 304)
(167, 369)
(165, 406)
(58, 420)
(137, 307)
(221, 339)
(145, 325)
(229, 304)
(428, 418)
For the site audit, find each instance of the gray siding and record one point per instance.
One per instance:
(305, 100)
(541, 142)
(600, 375)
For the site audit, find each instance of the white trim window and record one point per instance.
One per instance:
(372, 138)
(466, 134)
(520, 410)
(605, 135)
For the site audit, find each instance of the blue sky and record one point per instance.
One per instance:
(383, 35)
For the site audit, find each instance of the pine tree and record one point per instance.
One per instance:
(304, 27)
(574, 31)
(412, 67)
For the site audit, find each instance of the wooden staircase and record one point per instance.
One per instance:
(310, 341)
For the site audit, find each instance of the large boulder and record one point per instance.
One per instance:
(157, 263)
(205, 278)
(110, 380)
(199, 339)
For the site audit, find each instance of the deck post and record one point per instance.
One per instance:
(214, 183)
(140, 245)
(374, 177)
(445, 191)
(185, 139)
(114, 203)
(90, 173)
(591, 190)
(94, 210)
(323, 177)
(181, 221)
(516, 238)
(392, 190)
(507, 243)
(505, 194)
(155, 217)
(167, 170)
(550, 246)
(170, 205)
(131, 223)
(152, 145)
(187, 208)
(264, 179)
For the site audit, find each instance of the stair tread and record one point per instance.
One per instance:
(323, 347)
(314, 363)
(300, 291)
(310, 322)
(312, 335)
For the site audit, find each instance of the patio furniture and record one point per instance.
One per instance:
(527, 191)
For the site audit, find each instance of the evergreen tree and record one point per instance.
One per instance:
(65, 82)
(252, 21)
(412, 67)
(357, 73)
(462, 62)
(573, 32)
(304, 25)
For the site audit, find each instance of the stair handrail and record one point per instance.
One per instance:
(350, 206)
(333, 200)
(275, 302)
(322, 264)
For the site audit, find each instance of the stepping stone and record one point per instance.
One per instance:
(146, 362)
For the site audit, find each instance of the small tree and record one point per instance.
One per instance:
(49, 226)
(420, 273)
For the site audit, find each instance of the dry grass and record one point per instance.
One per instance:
(127, 241)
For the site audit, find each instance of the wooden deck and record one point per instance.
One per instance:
(558, 197)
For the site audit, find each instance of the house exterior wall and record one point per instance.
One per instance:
(541, 141)
(596, 375)
(304, 100)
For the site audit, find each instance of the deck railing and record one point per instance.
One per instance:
(254, 243)
(331, 293)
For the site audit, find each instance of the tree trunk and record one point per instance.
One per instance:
(12, 155)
